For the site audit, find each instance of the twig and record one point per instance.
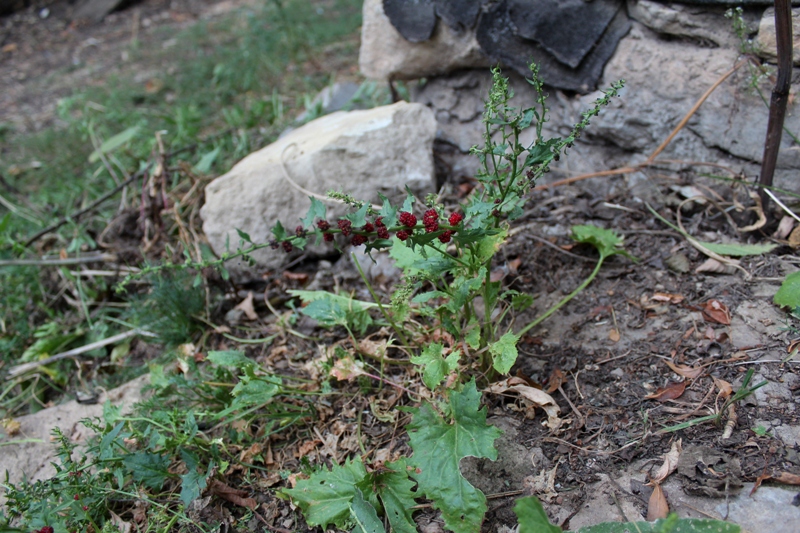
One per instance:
(780, 96)
(782, 205)
(47, 261)
(18, 370)
(89, 208)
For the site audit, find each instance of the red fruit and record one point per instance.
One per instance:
(383, 232)
(324, 225)
(430, 216)
(46, 529)
(431, 227)
(455, 219)
(369, 228)
(358, 240)
(287, 246)
(85, 508)
(445, 237)
(346, 226)
(379, 222)
(76, 497)
(299, 231)
(403, 235)
(327, 237)
(407, 219)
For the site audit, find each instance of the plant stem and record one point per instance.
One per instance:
(560, 304)
(388, 318)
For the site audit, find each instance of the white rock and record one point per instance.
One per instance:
(359, 152)
(768, 41)
(387, 55)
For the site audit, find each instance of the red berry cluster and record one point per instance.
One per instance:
(430, 220)
(407, 222)
(45, 529)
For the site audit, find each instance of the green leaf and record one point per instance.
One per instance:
(230, 358)
(435, 366)
(255, 390)
(606, 241)
(107, 446)
(789, 293)
(113, 143)
(359, 218)
(364, 515)
(150, 469)
(326, 496)
(193, 482)
(504, 352)
(474, 337)
(333, 310)
(279, 231)
(388, 212)
(394, 490)
(739, 250)
(244, 236)
(204, 165)
(413, 262)
(671, 524)
(532, 518)
(317, 210)
(408, 204)
(439, 445)
(5, 222)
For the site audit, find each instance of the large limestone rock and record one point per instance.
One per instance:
(387, 55)
(359, 152)
(768, 40)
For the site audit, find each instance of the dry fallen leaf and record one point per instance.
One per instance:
(302, 277)
(121, 525)
(246, 306)
(794, 238)
(613, 335)
(670, 392)
(667, 297)
(725, 388)
(530, 395)
(235, 496)
(10, 47)
(717, 312)
(670, 462)
(347, 368)
(248, 455)
(555, 381)
(786, 477)
(712, 266)
(657, 507)
(685, 371)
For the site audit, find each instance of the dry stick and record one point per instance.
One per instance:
(87, 209)
(650, 160)
(780, 97)
(18, 370)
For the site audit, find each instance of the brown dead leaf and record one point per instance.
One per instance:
(672, 391)
(10, 47)
(794, 238)
(712, 266)
(235, 496)
(347, 368)
(248, 455)
(688, 372)
(786, 477)
(667, 297)
(514, 264)
(121, 525)
(497, 275)
(657, 507)
(555, 380)
(532, 396)
(793, 345)
(716, 312)
(153, 85)
(140, 511)
(725, 388)
(246, 306)
(302, 277)
(613, 335)
(307, 447)
(670, 462)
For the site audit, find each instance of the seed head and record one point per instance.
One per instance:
(383, 232)
(358, 240)
(407, 219)
(324, 225)
(368, 227)
(287, 246)
(345, 225)
(327, 237)
(403, 234)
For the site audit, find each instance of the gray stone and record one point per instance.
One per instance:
(705, 25)
(769, 509)
(359, 152)
(414, 19)
(386, 55)
(767, 40)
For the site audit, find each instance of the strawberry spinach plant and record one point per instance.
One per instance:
(446, 255)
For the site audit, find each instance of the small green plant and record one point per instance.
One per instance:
(446, 256)
(533, 519)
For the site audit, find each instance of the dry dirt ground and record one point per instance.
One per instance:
(604, 356)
